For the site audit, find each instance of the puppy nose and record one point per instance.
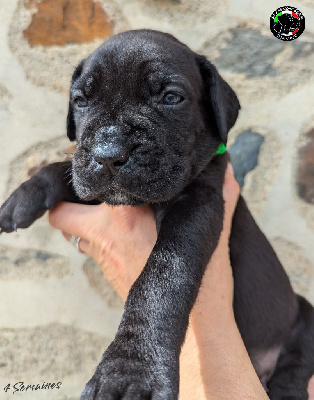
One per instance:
(112, 157)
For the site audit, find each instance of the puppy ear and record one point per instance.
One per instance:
(71, 129)
(71, 124)
(220, 97)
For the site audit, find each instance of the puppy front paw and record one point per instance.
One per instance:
(27, 203)
(40, 193)
(131, 379)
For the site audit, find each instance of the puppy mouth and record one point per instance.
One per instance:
(148, 178)
(102, 189)
(98, 182)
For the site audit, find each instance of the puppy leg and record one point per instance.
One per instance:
(143, 360)
(37, 195)
(295, 365)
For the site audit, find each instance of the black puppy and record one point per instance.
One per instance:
(148, 115)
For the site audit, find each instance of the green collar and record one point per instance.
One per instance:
(221, 149)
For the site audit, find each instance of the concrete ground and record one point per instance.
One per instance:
(57, 312)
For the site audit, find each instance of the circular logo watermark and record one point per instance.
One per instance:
(287, 23)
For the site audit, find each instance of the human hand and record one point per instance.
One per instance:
(213, 359)
(119, 238)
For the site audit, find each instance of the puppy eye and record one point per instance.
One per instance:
(171, 98)
(80, 101)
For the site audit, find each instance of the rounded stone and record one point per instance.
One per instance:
(299, 268)
(33, 159)
(244, 153)
(51, 352)
(257, 63)
(305, 169)
(35, 265)
(52, 66)
(60, 22)
(99, 283)
(262, 166)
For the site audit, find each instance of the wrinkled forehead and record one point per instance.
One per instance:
(144, 54)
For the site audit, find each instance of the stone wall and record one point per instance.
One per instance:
(57, 312)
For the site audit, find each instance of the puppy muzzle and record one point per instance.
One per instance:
(110, 149)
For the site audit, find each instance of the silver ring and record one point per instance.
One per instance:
(75, 240)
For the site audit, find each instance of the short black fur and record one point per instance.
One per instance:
(132, 148)
(70, 117)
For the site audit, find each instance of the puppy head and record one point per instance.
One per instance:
(148, 115)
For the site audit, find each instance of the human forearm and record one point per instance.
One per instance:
(217, 368)
(214, 363)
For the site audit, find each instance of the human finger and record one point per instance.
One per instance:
(77, 219)
(311, 388)
(231, 191)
